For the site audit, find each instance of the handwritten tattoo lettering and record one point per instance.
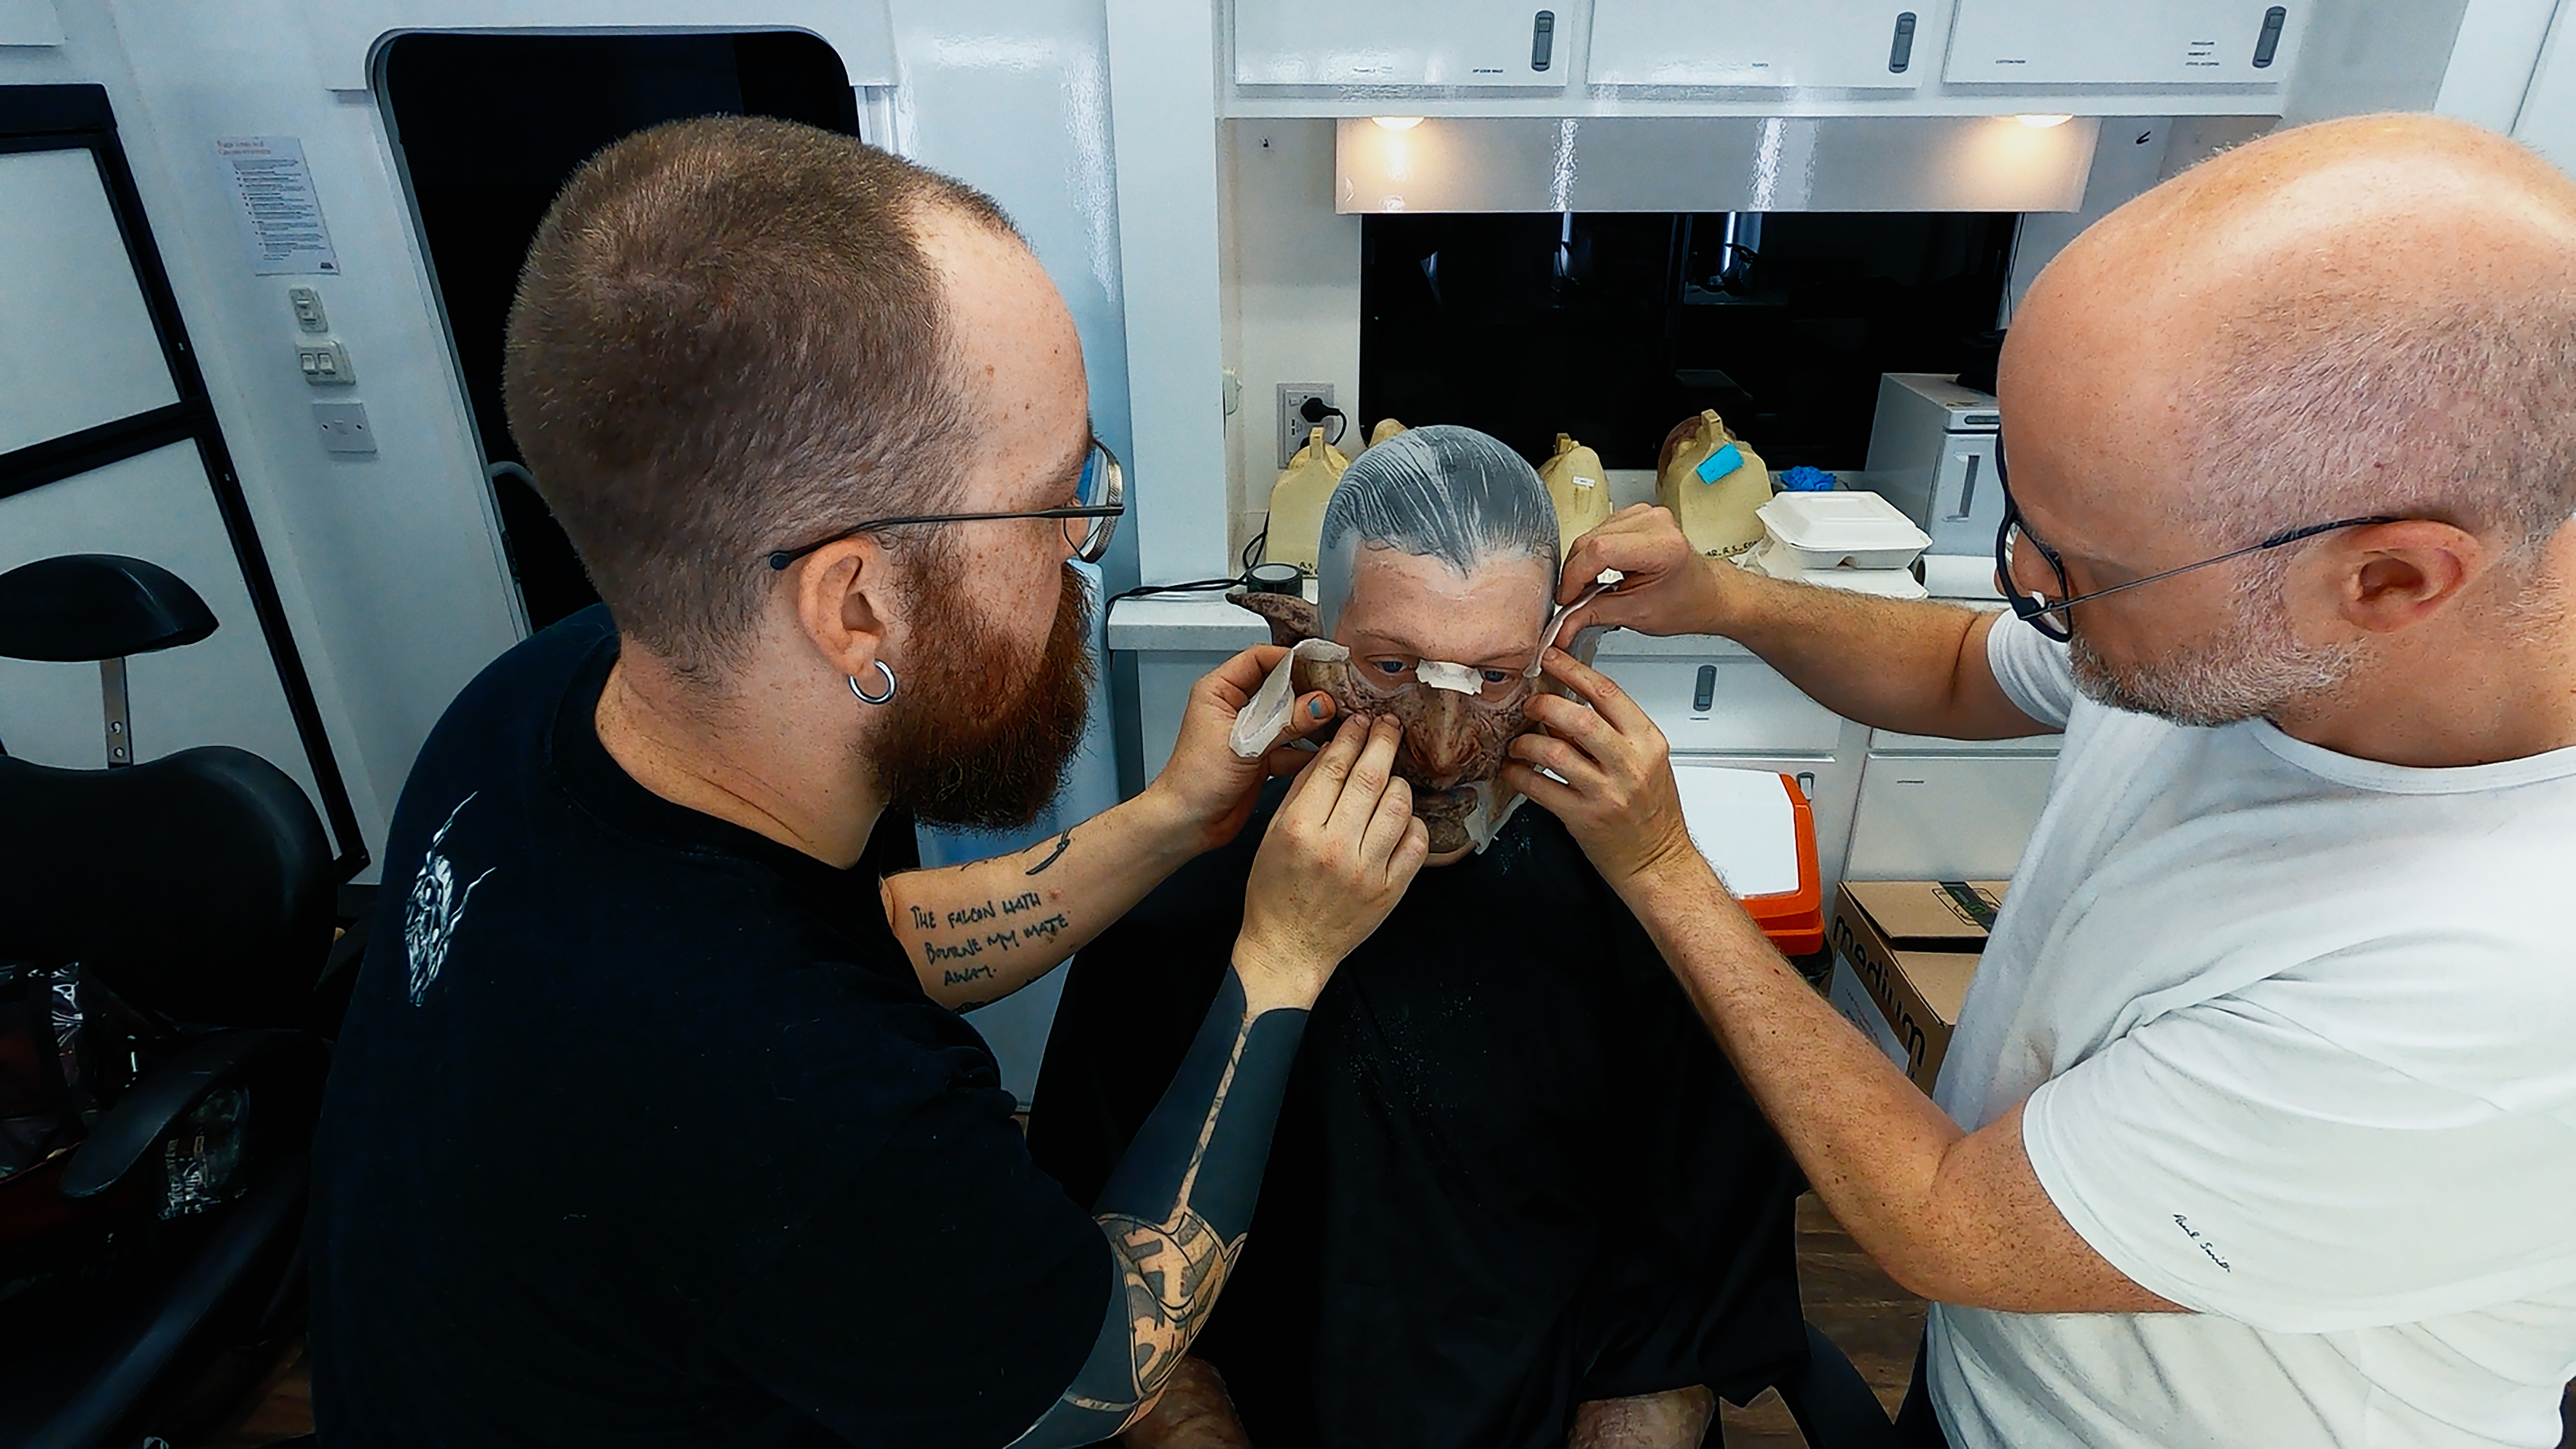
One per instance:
(932, 953)
(1015, 937)
(924, 920)
(972, 915)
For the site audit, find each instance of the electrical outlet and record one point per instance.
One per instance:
(343, 428)
(1293, 426)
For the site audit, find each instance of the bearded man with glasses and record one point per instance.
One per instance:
(2259, 1124)
(653, 1120)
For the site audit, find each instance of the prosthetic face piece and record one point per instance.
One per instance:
(1438, 572)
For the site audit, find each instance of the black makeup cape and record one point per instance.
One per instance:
(1513, 1172)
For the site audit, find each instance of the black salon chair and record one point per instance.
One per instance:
(169, 920)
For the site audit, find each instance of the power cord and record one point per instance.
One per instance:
(1315, 410)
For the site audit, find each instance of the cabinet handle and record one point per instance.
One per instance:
(1705, 694)
(1967, 486)
(2268, 43)
(1900, 51)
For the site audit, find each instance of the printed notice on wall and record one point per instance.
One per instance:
(281, 217)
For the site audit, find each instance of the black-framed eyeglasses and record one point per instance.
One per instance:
(1088, 525)
(2034, 609)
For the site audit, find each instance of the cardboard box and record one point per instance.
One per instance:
(1913, 946)
(1857, 1006)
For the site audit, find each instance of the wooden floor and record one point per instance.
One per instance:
(1876, 1323)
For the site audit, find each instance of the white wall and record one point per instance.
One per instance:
(2492, 60)
(389, 567)
(2372, 55)
(1292, 296)
(2547, 120)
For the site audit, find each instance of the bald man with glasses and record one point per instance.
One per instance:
(2259, 1125)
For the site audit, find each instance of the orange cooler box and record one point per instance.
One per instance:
(1758, 832)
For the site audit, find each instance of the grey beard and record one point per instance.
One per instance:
(2254, 670)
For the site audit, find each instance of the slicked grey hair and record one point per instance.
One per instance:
(1441, 492)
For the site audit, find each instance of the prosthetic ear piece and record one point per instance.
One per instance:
(1291, 617)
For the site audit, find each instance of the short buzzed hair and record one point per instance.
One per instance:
(1442, 492)
(2464, 413)
(726, 341)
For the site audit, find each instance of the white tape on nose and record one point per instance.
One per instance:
(1456, 678)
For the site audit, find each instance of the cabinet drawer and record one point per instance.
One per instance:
(1733, 704)
(1946, 817)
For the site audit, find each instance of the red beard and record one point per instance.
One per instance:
(979, 738)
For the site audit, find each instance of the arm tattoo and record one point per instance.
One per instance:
(1176, 1211)
(1061, 842)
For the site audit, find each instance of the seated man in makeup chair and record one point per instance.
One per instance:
(1516, 1197)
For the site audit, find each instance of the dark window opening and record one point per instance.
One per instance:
(489, 127)
(1613, 327)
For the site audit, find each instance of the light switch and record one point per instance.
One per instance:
(343, 427)
(325, 362)
(307, 303)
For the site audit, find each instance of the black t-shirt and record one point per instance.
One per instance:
(1513, 1172)
(642, 1132)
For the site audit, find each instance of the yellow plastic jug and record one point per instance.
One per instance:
(1712, 481)
(1296, 528)
(1580, 488)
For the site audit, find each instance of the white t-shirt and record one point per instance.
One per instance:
(2298, 1034)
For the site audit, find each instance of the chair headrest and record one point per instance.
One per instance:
(83, 606)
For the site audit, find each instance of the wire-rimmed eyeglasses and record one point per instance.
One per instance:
(1088, 525)
(2035, 609)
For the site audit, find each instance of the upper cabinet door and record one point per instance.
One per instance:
(2124, 42)
(1436, 43)
(1761, 44)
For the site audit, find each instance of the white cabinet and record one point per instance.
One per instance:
(1419, 43)
(1723, 701)
(2124, 42)
(1946, 816)
(1821, 44)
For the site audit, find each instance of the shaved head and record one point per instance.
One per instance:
(2374, 315)
(2364, 317)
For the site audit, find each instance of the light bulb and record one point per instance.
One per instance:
(2042, 123)
(1398, 123)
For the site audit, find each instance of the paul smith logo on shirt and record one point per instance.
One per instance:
(435, 909)
(2194, 1234)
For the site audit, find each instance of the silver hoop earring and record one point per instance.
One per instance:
(867, 698)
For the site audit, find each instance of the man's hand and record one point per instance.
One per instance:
(1337, 858)
(1619, 799)
(1205, 785)
(1669, 589)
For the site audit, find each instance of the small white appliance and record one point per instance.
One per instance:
(1932, 453)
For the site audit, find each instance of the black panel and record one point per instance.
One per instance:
(1613, 327)
(489, 127)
